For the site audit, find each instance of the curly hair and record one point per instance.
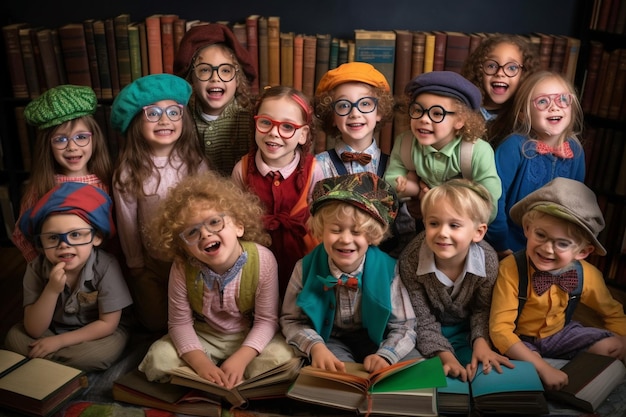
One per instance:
(325, 113)
(523, 102)
(208, 190)
(474, 126)
(337, 211)
(243, 93)
(472, 68)
(135, 164)
(43, 171)
(467, 197)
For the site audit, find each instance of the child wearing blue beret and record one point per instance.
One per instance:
(443, 107)
(160, 148)
(74, 293)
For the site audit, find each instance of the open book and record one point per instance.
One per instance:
(134, 388)
(405, 388)
(272, 383)
(37, 387)
(591, 379)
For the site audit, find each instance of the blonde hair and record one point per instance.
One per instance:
(467, 197)
(336, 211)
(202, 191)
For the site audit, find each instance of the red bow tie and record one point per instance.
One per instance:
(360, 157)
(567, 281)
(348, 281)
(564, 151)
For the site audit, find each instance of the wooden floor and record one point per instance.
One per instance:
(12, 267)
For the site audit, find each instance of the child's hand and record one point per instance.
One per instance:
(212, 373)
(233, 371)
(374, 362)
(552, 378)
(452, 367)
(401, 184)
(41, 348)
(57, 278)
(483, 355)
(323, 358)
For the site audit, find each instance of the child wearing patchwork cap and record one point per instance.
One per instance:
(345, 301)
(160, 148)
(449, 272)
(443, 107)
(351, 101)
(280, 169)
(70, 146)
(74, 292)
(223, 290)
(221, 72)
(538, 287)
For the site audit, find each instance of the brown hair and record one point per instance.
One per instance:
(336, 211)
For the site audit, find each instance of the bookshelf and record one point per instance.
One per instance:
(604, 103)
(337, 19)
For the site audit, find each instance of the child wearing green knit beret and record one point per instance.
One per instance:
(160, 148)
(70, 147)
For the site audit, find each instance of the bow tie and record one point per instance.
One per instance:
(567, 281)
(349, 281)
(360, 157)
(564, 151)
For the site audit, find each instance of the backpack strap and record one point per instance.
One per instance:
(405, 151)
(465, 159)
(522, 272)
(337, 162)
(382, 164)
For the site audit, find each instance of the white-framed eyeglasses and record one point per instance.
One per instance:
(76, 237)
(192, 234)
(81, 139)
(154, 113)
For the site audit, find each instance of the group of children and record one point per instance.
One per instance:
(247, 252)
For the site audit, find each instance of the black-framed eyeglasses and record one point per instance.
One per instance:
(154, 113)
(435, 113)
(286, 130)
(510, 69)
(543, 102)
(193, 234)
(76, 237)
(365, 105)
(225, 72)
(81, 139)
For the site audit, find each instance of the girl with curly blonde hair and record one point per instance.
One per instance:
(223, 286)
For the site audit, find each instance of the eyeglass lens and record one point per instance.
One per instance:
(562, 100)
(364, 105)
(225, 72)
(286, 130)
(80, 139)
(154, 113)
(510, 69)
(75, 237)
(435, 113)
(193, 234)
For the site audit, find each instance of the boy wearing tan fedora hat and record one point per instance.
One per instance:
(561, 222)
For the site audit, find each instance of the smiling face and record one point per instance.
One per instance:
(73, 159)
(162, 134)
(357, 129)
(218, 250)
(499, 87)
(214, 94)
(550, 124)
(344, 240)
(277, 151)
(74, 257)
(433, 134)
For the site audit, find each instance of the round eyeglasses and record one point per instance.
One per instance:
(154, 113)
(213, 225)
(559, 245)
(510, 69)
(435, 113)
(81, 139)
(543, 102)
(76, 237)
(364, 105)
(225, 72)
(286, 130)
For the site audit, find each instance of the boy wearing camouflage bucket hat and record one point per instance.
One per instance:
(538, 288)
(74, 293)
(70, 146)
(370, 320)
(221, 72)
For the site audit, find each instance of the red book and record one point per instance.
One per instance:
(74, 47)
(167, 42)
(404, 58)
(457, 51)
(179, 28)
(273, 48)
(417, 53)
(546, 44)
(153, 35)
(603, 15)
(15, 59)
(559, 50)
(439, 58)
(252, 38)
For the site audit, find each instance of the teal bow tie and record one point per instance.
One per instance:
(352, 282)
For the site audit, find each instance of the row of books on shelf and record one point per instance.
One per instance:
(414, 387)
(604, 88)
(608, 16)
(109, 53)
(613, 238)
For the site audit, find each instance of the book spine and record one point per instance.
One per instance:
(439, 59)
(298, 61)
(92, 55)
(48, 58)
(153, 34)
(104, 68)
(608, 84)
(403, 61)
(619, 87)
(15, 59)
(557, 60)
(273, 44)
(58, 53)
(135, 51)
(593, 69)
(109, 32)
(143, 46)
(322, 56)
(545, 51)
(252, 38)
(429, 52)
(333, 59)
(417, 55)
(41, 76)
(457, 51)
(342, 56)
(74, 48)
(239, 30)
(179, 32)
(286, 59)
(30, 66)
(263, 54)
(377, 48)
(308, 65)
(122, 46)
(167, 42)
